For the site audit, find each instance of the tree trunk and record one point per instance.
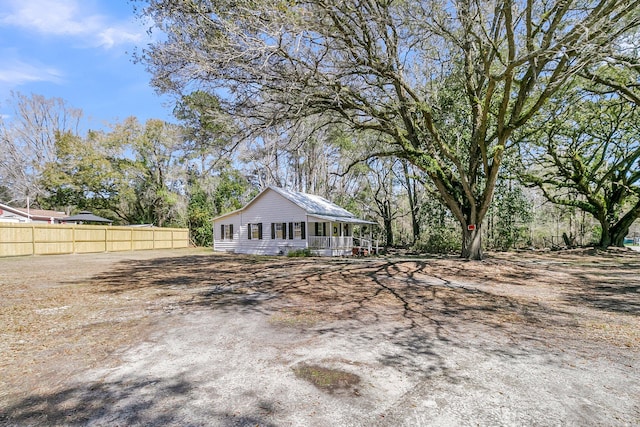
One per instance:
(413, 203)
(388, 222)
(618, 233)
(621, 228)
(472, 244)
(388, 227)
(617, 239)
(605, 236)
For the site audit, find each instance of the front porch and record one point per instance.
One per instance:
(335, 237)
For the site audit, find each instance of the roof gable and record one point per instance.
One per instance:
(313, 204)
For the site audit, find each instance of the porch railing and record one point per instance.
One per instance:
(327, 242)
(369, 245)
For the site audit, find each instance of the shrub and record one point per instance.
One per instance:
(298, 253)
(440, 240)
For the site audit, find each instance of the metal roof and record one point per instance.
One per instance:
(85, 216)
(349, 220)
(313, 204)
(317, 206)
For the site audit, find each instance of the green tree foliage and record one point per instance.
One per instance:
(133, 173)
(441, 233)
(83, 176)
(158, 192)
(441, 84)
(509, 216)
(230, 192)
(619, 73)
(200, 213)
(208, 131)
(587, 156)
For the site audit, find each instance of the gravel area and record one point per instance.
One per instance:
(190, 338)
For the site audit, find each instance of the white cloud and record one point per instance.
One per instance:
(16, 72)
(113, 36)
(69, 18)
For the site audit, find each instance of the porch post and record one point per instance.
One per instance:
(331, 234)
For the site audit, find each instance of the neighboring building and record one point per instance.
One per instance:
(85, 217)
(11, 214)
(278, 221)
(634, 233)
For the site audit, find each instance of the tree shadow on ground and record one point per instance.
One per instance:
(432, 300)
(604, 280)
(417, 309)
(432, 293)
(610, 296)
(147, 402)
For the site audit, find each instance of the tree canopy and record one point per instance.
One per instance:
(587, 155)
(442, 84)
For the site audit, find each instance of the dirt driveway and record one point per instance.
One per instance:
(194, 338)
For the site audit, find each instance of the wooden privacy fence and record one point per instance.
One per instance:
(46, 239)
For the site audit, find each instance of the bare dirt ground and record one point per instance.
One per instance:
(194, 338)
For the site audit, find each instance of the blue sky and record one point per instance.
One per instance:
(80, 51)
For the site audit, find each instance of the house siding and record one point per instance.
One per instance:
(269, 208)
(11, 214)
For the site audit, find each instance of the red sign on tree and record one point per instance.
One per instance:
(471, 227)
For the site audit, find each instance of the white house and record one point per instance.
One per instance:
(278, 221)
(11, 214)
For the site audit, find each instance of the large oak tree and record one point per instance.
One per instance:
(587, 155)
(442, 84)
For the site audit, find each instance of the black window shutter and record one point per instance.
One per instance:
(273, 231)
(221, 231)
(231, 230)
(302, 231)
(290, 230)
(249, 228)
(260, 231)
(324, 228)
(315, 224)
(284, 230)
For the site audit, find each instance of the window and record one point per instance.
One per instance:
(279, 230)
(320, 228)
(255, 231)
(297, 230)
(226, 231)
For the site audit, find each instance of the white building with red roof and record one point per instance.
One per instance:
(11, 214)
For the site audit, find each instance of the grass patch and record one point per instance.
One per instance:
(295, 318)
(300, 253)
(329, 380)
